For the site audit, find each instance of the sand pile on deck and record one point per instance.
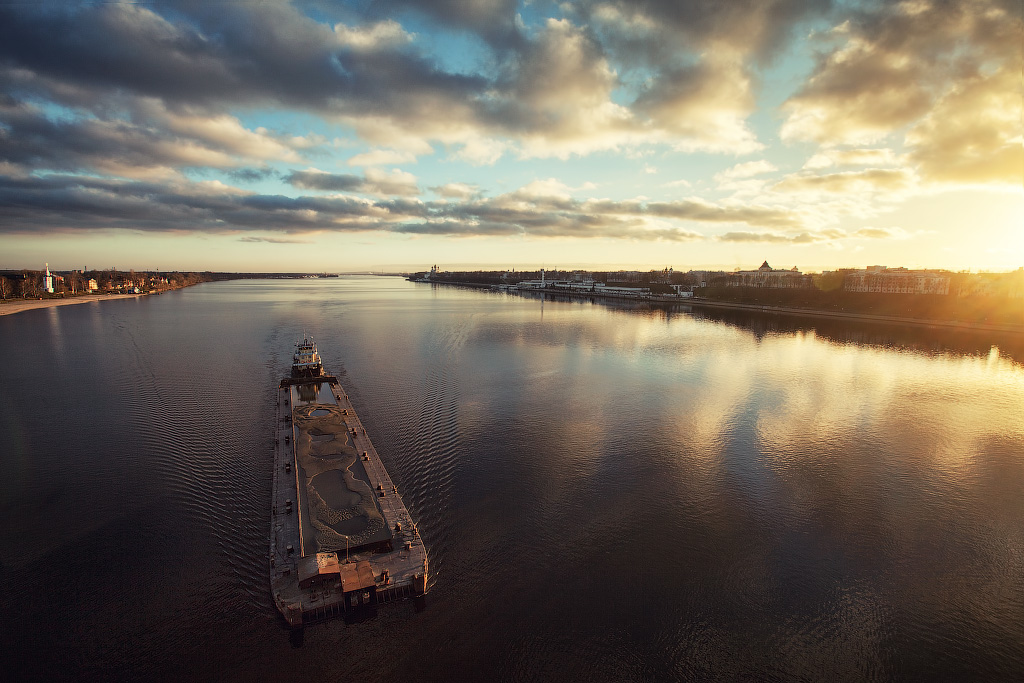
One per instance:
(341, 505)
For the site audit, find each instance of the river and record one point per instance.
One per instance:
(606, 491)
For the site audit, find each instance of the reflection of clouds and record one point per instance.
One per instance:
(942, 408)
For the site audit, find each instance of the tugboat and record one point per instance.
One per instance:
(306, 360)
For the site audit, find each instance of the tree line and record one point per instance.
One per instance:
(30, 284)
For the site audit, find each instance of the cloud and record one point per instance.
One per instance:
(872, 179)
(703, 106)
(63, 203)
(154, 143)
(271, 240)
(558, 98)
(251, 175)
(974, 133)
(552, 91)
(321, 180)
(776, 238)
(395, 182)
(851, 157)
(217, 55)
(706, 212)
(381, 157)
(456, 190)
(377, 182)
(650, 31)
(747, 169)
(495, 21)
(383, 35)
(882, 233)
(138, 98)
(892, 63)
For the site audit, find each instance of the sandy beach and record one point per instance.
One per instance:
(9, 307)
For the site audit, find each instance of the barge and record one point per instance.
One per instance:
(341, 539)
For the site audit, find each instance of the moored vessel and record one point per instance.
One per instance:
(342, 540)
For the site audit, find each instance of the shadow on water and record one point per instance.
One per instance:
(927, 340)
(297, 637)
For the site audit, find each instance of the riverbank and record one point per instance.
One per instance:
(12, 306)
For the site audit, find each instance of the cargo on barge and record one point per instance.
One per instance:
(341, 539)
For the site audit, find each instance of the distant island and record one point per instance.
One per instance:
(961, 299)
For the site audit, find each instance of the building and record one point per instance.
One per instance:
(48, 280)
(770, 278)
(884, 280)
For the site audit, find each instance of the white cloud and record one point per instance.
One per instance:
(381, 157)
(381, 35)
(457, 190)
(747, 169)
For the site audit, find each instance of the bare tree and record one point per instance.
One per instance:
(28, 284)
(5, 287)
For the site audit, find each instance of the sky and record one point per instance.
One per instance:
(268, 135)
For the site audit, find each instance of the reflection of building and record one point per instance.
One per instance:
(896, 281)
(771, 278)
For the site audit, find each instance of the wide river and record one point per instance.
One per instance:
(606, 492)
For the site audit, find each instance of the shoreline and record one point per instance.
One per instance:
(21, 305)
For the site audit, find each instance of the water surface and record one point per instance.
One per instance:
(606, 492)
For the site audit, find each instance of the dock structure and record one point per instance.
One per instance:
(341, 537)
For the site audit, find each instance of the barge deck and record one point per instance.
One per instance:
(341, 537)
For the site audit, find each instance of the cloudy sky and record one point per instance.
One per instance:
(395, 134)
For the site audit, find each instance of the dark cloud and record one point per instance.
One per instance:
(252, 175)
(312, 180)
(375, 182)
(233, 53)
(270, 240)
(132, 148)
(493, 20)
(56, 203)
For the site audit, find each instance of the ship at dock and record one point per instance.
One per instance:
(341, 541)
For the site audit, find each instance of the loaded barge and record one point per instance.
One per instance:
(341, 539)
